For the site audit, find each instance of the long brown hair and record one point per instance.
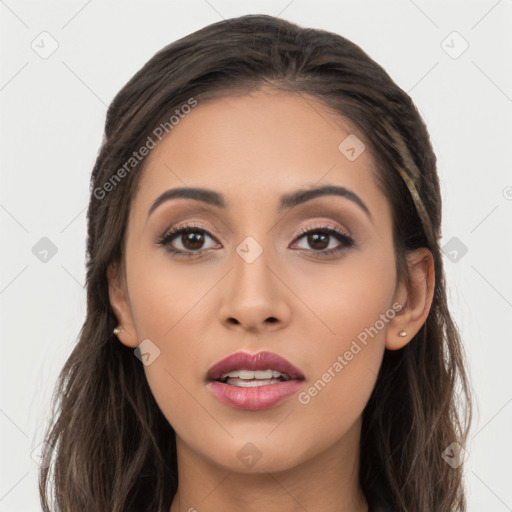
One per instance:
(110, 448)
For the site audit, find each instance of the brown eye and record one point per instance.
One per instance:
(186, 240)
(192, 240)
(319, 240)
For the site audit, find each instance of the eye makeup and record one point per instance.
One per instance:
(312, 234)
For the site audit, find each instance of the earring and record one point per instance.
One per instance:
(402, 333)
(118, 331)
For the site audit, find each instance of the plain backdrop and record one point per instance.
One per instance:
(452, 57)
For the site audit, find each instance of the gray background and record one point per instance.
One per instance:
(53, 110)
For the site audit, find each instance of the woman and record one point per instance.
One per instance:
(267, 323)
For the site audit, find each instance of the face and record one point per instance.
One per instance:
(313, 282)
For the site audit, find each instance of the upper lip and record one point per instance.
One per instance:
(260, 361)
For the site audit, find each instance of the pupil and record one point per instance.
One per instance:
(193, 240)
(314, 238)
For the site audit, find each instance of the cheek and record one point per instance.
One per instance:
(164, 294)
(339, 302)
(355, 313)
(343, 382)
(170, 308)
(349, 313)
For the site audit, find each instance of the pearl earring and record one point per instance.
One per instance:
(402, 333)
(118, 331)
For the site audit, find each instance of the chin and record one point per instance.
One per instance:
(258, 455)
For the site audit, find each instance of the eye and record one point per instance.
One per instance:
(189, 239)
(321, 238)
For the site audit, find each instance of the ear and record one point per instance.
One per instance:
(415, 298)
(120, 303)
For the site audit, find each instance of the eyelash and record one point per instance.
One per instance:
(165, 239)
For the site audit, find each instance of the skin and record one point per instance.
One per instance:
(253, 149)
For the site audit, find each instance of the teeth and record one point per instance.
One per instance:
(251, 383)
(257, 374)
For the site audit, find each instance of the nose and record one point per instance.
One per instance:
(255, 299)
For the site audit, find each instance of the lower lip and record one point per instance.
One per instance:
(255, 398)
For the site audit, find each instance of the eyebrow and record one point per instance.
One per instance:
(287, 200)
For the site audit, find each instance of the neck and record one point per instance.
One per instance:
(329, 481)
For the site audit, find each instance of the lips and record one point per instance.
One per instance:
(255, 394)
(260, 361)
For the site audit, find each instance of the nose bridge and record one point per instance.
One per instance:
(252, 266)
(254, 296)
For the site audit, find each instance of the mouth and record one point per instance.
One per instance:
(240, 368)
(249, 379)
(254, 381)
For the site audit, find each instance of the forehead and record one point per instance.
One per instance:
(259, 146)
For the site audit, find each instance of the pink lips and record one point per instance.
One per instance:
(258, 397)
(259, 361)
